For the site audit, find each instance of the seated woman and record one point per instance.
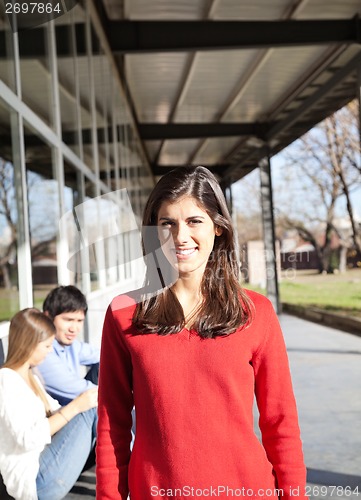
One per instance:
(43, 446)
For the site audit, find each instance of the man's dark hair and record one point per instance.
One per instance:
(64, 299)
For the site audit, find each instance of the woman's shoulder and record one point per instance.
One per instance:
(122, 308)
(121, 301)
(258, 300)
(261, 307)
(9, 378)
(8, 373)
(130, 299)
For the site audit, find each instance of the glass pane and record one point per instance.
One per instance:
(71, 106)
(103, 92)
(72, 198)
(90, 224)
(43, 206)
(9, 294)
(89, 116)
(35, 73)
(7, 66)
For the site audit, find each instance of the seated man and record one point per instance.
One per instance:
(61, 369)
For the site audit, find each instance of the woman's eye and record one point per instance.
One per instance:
(195, 221)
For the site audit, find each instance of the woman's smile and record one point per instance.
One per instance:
(192, 234)
(185, 253)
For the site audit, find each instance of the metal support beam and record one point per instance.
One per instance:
(308, 103)
(157, 131)
(62, 248)
(171, 36)
(297, 114)
(99, 243)
(160, 36)
(23, 240)
(25, 281)
(163, 131)
(269, 232)
(163, 169)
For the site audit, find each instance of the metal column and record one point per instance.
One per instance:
(269, 232)
(58, 161)
(24, 246)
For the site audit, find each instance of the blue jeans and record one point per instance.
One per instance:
(62, 461)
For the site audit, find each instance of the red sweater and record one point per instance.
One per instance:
(194, 400)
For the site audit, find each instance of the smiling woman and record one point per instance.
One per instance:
(191, 357)
(196, 235)
(192, 234)
(187, 234)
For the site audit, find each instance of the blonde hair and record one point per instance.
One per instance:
(27, 328)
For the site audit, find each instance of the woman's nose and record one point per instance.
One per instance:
(181, 234)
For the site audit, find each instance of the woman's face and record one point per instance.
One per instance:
(41, 351)
(186, 233)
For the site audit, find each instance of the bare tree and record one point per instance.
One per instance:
(8, 213)
(322, 169)
(343, 142)
(42, 213)
(247, 208)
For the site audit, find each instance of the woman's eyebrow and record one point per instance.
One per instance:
(188, 218)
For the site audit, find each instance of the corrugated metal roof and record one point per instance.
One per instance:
(287, 89)
(233, 78)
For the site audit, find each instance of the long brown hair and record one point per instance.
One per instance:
(27, 328)
(227, 306)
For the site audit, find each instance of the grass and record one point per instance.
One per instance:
(338, 293)
(9, 300)
(9, 303)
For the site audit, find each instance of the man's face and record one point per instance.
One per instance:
(68, 325)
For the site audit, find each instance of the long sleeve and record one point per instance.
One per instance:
(29, 430)
(24, 432)
(114, 411)
(277, 408)
(60, 371)
(87, 353)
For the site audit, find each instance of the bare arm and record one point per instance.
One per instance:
(84, 402)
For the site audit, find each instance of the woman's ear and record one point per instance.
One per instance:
(218, 231)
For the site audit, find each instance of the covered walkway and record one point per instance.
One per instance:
(326, 370)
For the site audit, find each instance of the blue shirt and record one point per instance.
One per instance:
(61, 370)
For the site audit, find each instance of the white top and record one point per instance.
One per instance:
(24, 431)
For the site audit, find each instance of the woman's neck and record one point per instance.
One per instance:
(190, 298)
(187, 288)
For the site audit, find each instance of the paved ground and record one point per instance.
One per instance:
(326, 371)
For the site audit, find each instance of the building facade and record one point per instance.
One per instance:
(73, 174)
